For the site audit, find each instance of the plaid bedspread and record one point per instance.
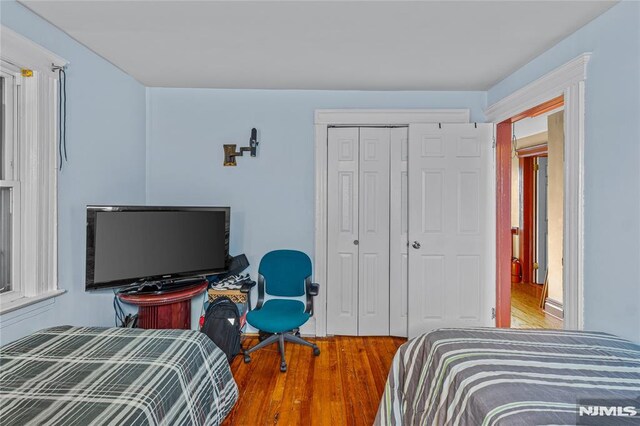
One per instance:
(79, 376)
(510, 377)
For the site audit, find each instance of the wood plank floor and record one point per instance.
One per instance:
(342, 386)
(526, 313)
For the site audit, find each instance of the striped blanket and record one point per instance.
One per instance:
(510, 377)
(79, 376)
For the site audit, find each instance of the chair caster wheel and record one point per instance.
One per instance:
(283, 367)
(247, 359)
(316, 351)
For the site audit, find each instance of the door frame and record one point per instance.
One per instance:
(567, 80)
(528, 192)
(325, 118)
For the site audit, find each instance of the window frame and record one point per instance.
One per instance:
(11, 92)
(35, 172)
(10, 71)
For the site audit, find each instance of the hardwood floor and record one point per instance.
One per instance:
(525, 311)
(342, 386)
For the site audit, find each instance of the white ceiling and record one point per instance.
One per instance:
(358, 45)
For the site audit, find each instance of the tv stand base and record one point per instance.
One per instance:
(165, 310)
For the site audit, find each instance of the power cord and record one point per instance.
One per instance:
(62, 115)
(120, 317)
(122, 320)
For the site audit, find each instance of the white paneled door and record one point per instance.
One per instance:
(451, 279)
(343, 228)
(373, 283)
(358, 231)
(410, 231)
(399, 227)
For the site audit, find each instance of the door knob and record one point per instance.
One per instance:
(416, 245)
(356, 242)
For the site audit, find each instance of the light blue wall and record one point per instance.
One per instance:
(272, 195)
(612, 158)
(106, 147)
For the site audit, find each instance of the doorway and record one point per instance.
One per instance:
(530, 155)
(537, 220)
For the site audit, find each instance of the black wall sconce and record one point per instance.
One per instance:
(230, 153)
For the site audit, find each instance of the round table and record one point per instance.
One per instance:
(165, 310)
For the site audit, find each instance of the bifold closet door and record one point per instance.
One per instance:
(358, 231)
(399, 227)
(373, 282)
(343, 227)
(451, 229)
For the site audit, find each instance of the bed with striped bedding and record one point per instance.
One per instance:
(80, 375)
(507, 377)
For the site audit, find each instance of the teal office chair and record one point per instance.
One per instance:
(283, 274)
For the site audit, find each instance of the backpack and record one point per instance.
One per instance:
(222, 325)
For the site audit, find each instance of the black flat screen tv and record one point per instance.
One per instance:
(127, 245)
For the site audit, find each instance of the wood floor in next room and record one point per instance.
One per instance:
(526, 311)
(342, 386)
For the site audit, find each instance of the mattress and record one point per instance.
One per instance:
(84, 375)
(511, 377)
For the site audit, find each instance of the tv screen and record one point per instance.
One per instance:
(127, 244)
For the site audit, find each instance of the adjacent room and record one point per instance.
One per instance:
(319, 212)
(537, 225)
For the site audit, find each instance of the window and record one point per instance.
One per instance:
(28, 174)
(9, 182)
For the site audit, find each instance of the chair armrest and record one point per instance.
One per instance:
(313, 289)
(247, 286)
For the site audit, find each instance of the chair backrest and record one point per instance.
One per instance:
(285, 272)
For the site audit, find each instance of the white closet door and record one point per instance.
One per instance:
(374, 232)
(342, 224)
(451, 259)
(399, 257)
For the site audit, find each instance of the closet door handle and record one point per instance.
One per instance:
(356, 242)
(415, 245)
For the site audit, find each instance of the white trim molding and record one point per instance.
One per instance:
(23, 302)
(567, 80)
(547, 87)
(21, 51)
(325, 118)
(389, 117)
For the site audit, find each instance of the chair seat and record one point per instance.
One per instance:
(278, 316)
